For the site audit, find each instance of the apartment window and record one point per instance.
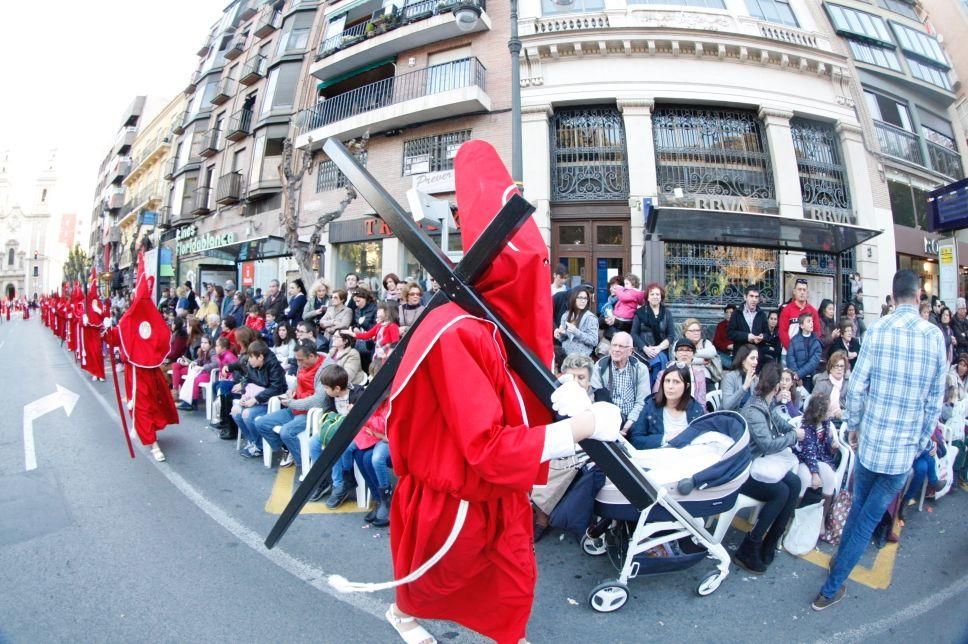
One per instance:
(778, 11)
(901, 7)
(281, 88)
(36, 271)
(10, 257)
(851, 22)
(551, 7)
(888, 110)
(295, 35)
(920, 44)
(589, 158)
(329, 177)
(874, 55)
(705, 4)
(432, 153)
(929, 73)
(823, 175)
(909, 205)
(267, 154)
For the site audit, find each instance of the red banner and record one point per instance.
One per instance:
(248, 274)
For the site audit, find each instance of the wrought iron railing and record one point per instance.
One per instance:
(240, 124)
(200, 200)
(712, 152)
(707, 274)
(211, 142)
(945, 161)
(898, 143)
(431, 80)
(588, 155)
(229, 189)
(253, 70)
(329, 177)
(823, 176)
(432, 153)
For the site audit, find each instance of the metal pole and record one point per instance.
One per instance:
(514, 46)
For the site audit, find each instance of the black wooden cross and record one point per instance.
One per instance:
(456, 285)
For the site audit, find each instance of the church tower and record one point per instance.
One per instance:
(44, 188)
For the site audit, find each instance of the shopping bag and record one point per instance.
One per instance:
(804, 530)
(185, 393)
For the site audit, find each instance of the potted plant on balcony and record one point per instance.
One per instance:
(350, 40)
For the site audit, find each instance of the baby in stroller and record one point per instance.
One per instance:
(696, 476)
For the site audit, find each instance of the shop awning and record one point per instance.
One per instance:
(249, 250)
(339, 78)
(754, 230)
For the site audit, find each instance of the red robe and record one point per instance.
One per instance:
(92, 347)
(462, 426)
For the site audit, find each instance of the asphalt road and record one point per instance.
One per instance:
(96, 547)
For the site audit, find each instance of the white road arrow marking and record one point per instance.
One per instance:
(61, 398)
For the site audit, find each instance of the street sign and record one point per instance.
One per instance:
(948, 263)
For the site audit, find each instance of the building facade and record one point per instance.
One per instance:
(25, 265)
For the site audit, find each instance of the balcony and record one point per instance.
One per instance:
(149, 154)
(211, 143)
(201, 199)
(239, 125)
(122, 144)
(898, 143)
(204, 49)
(121, 169)
(170, 168)
(945, 161)
(229, 189)
(269, 21)
(254, 69)
(115, 199)
(249, 11)
(164, 218)
(439, 91)
(225, 91)
(236, 48)
(416, 25)
(192, 84)
(178, 127)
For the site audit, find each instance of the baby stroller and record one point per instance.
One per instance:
(702, 469)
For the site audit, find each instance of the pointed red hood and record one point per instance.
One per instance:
(95, 312)
(145, 337)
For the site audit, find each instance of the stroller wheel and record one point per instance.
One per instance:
(592, 546)
(709, 584)
(608, 596)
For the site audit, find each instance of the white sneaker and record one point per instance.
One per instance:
(287, 460)
(157, 453)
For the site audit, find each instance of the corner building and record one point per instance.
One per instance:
(704, 145)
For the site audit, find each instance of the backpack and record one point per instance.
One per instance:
(328, 425)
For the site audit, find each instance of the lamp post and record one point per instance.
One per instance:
(467, 15)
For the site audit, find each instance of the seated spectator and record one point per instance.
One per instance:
(668, 412)
(833, 384)
(255, 318)
(225, 357)
(411, 308)
(607, 312)
(628, 298)
(705, 355)
(297, 301)
(207, 307)
(803, 354)
(306, 331)
(739, 383)
(318, 301)
(262, 378)
(268, 333)
(847, 343)
(563, 471)
(578, 327)
(340, 398)
(391, 288)
(769, 434)
(925, 466)
(770, 348)
(342, 351)
(829, 330)
(683, 356)
(178, 345)
(856, 318)
(203, 359)
(374, 464)
(337, 316)
(295, 403)
(652, 328)
(213, 328)
(789, 397)
(624, 377)
(958, 376)
(385, 334)
(237, 308)
(284, 344)
(721, 337)
(817, 451)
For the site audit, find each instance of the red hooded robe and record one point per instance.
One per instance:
(144, 339)
(92, 347)
(77, 320)
(463, 426)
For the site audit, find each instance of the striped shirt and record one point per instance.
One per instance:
(895, 392)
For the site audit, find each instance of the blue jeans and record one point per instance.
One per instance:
(924, 466)
(292, 426)
(246, 422)
(380, 462)
(872, 494)
(345, 464)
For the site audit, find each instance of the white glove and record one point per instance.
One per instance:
(84, 319)
(569, 399)
(108, 323)
(608, 422)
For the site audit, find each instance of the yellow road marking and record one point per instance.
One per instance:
(282, 491)
(877, 576)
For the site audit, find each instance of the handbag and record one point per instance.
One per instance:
(804, 530)
(773, 467)
(187, 388)
(840, 508)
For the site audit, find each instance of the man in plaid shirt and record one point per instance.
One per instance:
(894, 398)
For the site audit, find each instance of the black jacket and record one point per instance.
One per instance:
(770, 348)
(648, 330)
(960, 327)
(275, 304)
(270, 375)
(355, 392)
(738, 329)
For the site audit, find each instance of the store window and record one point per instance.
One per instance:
(432, 153)
(362, 258)
(712, 153)
(589, 160)
(778, 11)
(823, 176)
(706, 274)
(552, 7)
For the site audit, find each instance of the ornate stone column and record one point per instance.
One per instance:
(637, 116)
(783, 158)
(536, 158)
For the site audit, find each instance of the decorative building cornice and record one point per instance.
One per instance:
(768, 113)
(534, 113)
(640, 106)
(849, 130)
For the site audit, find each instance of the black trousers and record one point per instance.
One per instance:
(780, 499)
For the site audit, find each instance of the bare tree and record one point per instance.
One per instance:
(295, 166)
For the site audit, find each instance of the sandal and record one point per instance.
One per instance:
(157, 453)
(415, 635)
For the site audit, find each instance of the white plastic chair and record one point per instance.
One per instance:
(207, 389)
(274, 406)
(714, 400)
(725, 519)
(313, 420)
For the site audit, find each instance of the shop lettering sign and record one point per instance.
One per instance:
(188, 240)
(831, 215)
(434, 182)
(930, 246)
(721, 203)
